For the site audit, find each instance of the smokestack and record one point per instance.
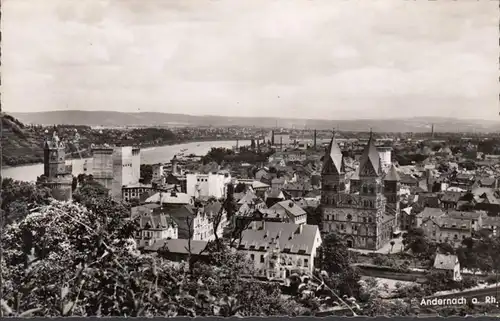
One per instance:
(315, 137)
(432, 131)
(272, 137)
(281, 142)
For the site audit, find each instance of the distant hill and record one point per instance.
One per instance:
(118, 119)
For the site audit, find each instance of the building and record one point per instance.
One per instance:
(199, 222)
(155, 227)
(290, 211)
(392, 186)
(385, 154)
(102, 165)
(358, 215)
(158, 175)
(136, 164)
(126, 171)
(170, 200)
(448, 263)
(213, 184)
(177, 250)
(280, 249)
(56, 175)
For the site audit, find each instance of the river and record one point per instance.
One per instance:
(151, 155)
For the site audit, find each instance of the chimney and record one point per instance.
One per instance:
(290, 204)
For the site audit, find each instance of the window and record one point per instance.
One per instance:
(342, 227)
(262, 258)
(252, 257)
(369, 220)
(306, 262)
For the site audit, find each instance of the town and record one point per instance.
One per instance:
(335, 223)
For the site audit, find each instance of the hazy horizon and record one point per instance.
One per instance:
(296, 59)
(282, 117)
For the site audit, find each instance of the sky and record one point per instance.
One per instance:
(322, 59)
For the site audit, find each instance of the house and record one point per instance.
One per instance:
(492, 225)
(199, 222)
(177, 250)
(280, 249)
(273, 196)
(298, 189)
(154, 227)
(293, 213)
(490, 182)
(449, 200)
(171, 199)
(278, 182)
(428, 213)
(448, 263)
(213, 184)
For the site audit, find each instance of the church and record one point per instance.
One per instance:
(366, 213)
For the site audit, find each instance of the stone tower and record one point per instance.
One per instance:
(58, 176)
(392, 186)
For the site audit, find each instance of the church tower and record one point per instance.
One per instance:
(332, 183)
(392, 185)
(359, 215)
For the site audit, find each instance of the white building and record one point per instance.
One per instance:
(280, 249)
(153, 227)
(385, 154)
(207, 185)
(450, 264)
(126, 169)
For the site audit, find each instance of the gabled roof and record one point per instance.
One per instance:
(287, 237)
(392, 175)
(370, 159)
(333, 160)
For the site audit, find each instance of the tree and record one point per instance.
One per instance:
(392, 245)
(18, 198)
(336, 260)
(146, 173)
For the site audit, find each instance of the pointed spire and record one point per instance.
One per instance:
(333, 158)
(370, 157)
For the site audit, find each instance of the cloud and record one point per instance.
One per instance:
(237, 57)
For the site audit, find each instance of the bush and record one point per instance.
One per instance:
(491, 279)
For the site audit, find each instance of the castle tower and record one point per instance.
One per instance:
(392, 185)
(58, 177)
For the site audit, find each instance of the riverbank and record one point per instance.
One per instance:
(143, 147)
(149, 155)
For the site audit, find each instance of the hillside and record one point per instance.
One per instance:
(118, 119)
(22, 144)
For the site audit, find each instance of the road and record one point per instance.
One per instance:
(479, 294)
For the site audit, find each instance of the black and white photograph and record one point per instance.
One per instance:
(249, 158)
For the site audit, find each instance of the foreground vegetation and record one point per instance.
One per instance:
(80, 259)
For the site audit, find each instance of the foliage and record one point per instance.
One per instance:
(480, 253)
(335, 258)
(437, 280)
(146, 171)
(220, 155)
(18, 198)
